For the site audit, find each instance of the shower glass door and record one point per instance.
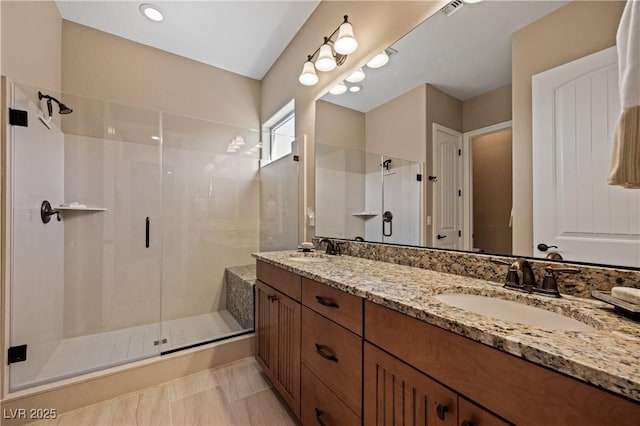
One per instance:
(84, 282)
(211, 218)
(401, 201)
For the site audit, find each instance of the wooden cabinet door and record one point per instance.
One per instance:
(397, 394)
(266, 328)
(287, 368)
(469, 414)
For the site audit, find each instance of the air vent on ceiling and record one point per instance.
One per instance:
(452, 7)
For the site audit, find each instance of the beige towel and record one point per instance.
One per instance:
(625, 159)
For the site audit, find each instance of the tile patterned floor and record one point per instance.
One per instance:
(236, 394)
(83, 354)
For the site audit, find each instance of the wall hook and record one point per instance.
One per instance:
(46, 211)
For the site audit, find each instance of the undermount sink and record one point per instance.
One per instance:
(507, 310)
(309, 257)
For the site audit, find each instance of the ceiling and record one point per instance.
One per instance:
(464, 55)
(244, 37)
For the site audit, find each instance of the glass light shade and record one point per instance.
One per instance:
(356, 77)
(308, 76)
(355, 89)
(472, 1)
(326, 61)
(346, 43)
(379, 60)
(338, 89)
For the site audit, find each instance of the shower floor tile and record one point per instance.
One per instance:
(84, 354)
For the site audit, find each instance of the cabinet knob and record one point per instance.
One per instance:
(466, 423)
(441, 410)
(272, 298)
(320, 419)
(324, 353)
(325, 302)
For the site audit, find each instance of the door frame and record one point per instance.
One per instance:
(435, 128)
(467, 180)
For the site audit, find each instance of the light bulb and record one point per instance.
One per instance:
(356, 76)
(326, 61)
(346, 43)
(355, 89)
(379, 60)
(338, 89)
(308, 76)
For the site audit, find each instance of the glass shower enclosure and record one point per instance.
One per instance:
(368, 195)
(121, 222)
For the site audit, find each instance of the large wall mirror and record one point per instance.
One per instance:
(489, 130)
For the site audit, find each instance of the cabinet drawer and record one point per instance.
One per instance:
(334, 355)
(341, 307)
(475, 415)
(321, 406)
(280, 279)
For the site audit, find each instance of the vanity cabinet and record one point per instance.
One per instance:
(514, 389)
(278, 321)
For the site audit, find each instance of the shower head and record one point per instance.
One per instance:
(62, 108)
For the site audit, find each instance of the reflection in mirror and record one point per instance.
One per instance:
(372, 196)
(456, 96)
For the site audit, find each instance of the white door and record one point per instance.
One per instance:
(575, 110)
(447, 188)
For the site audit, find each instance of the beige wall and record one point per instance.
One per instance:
(31, 43)
(100, 65)
(377, 25)
(398, 127)
(339, 126)
(574, 31)
(489, 108)
(492, 191)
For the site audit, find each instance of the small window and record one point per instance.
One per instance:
(282, 134)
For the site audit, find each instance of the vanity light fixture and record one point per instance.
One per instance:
(151, 12)
(331, 54)
(338, 89)
(356, 77)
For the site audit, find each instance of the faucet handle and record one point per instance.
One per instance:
(512, 280)
(550, 284)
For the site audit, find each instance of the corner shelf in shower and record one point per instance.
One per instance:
(365, 215)
(77, 208)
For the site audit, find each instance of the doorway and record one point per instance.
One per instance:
(489, 189)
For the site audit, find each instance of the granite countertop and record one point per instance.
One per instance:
(608, 357)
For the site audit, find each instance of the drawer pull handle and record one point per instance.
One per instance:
(466, 423)
(272, 298)
(441, 410)
(319, 418)
(322, 351)
(328, 303)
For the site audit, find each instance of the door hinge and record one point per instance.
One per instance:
(459, 233)
(18, 117)
(419, 177)
(459, 152)
(296, 158)
(17, 354)
(459, 192)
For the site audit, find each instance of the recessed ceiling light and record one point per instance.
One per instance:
(155, 138)
(151, 12)
(355, 89)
